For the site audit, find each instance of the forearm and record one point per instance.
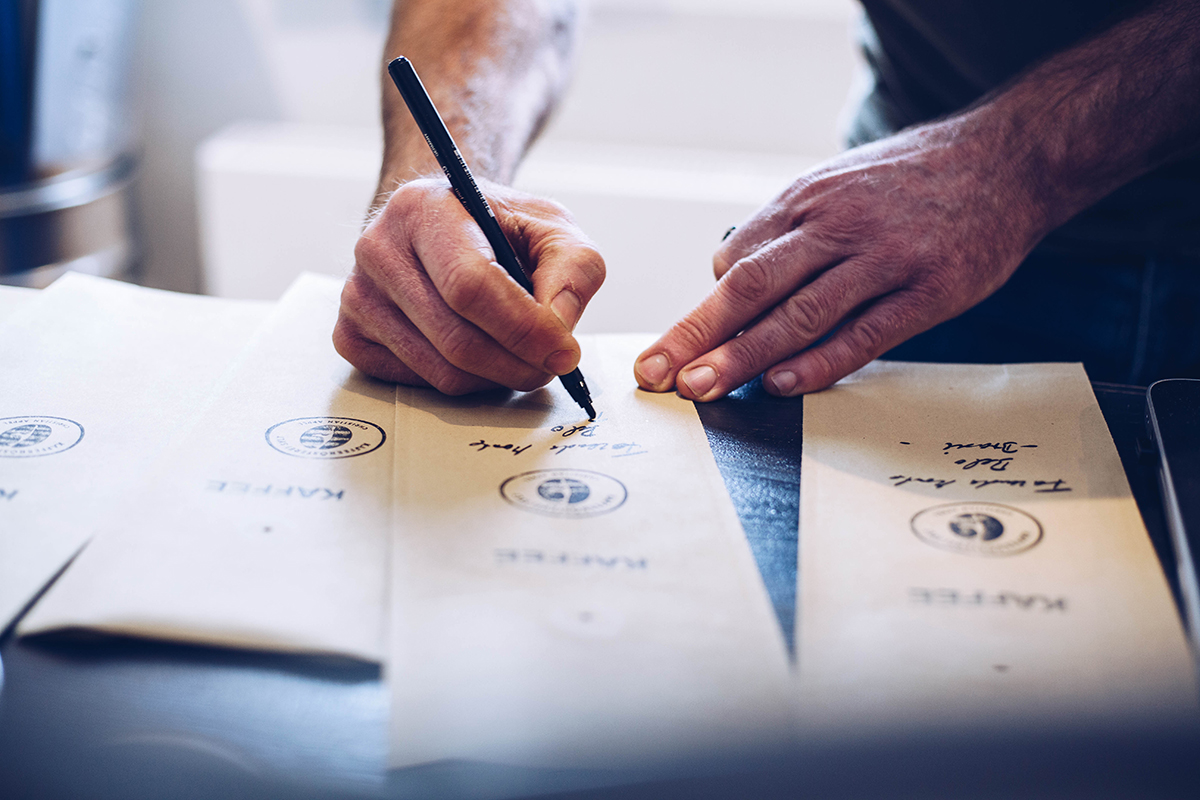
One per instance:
(494, 68)
(1094, 117)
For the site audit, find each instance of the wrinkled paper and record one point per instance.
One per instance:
(267, 525)
(970, 550)
(572, 593)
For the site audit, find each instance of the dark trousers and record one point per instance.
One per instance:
(1130, 318)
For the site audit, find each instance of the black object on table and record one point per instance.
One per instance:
(1173, 425)
(115, 718)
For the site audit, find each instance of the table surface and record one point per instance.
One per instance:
(129, 718)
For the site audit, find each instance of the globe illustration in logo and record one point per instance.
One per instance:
(564, 493)
(25, 435)
(325, 437)
(559, 490)
(983, 526)
(977, 529)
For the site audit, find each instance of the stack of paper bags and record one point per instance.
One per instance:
(583, 595)
(99, 376)
(543, 590)
(971, 554)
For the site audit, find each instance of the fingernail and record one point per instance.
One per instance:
(699, 379)
(653, 369)
(784, 382)
(560, 362)
(566, 307)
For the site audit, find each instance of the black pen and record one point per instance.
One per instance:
(446, 152)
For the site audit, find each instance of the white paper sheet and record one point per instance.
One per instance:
(566, 593)
(267, 526)
(970, 550)
(98, 374)
(13, 298)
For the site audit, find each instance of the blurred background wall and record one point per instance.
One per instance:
(261, 139)
(207, 63)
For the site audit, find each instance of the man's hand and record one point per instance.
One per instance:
(886, 241)
(427, 304)
(864, 252)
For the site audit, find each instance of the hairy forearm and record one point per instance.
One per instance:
(1094, 117)
(494, 68)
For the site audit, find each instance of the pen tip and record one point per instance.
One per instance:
(591, 412)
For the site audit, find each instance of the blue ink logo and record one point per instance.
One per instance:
(559, 490)
(985, 526)
(326, 437)
(566, 493)
(977, 529)
(28, 437)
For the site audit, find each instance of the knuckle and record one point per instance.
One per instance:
(353, 291)
(693, 331)
(414, 195)
(523, 335)
(939, 279)
(844, 225)
(462, 286)
(460, 346)
(885, 267)
(450, 381)
(805, 317)
(591, 267)
(870, 336)
(750, 282)
(372, 357)
(720, 266)
(410, 210)
(576, 256)
(820, 367)
(346, 339)
(369, 250)
(402, 206)
(749, 353)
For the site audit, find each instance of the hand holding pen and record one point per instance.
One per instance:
(428, 305)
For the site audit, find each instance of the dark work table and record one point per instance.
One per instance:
(115, 718)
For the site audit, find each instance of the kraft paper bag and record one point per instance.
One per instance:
(970, 552)
(266, 526)
(570, 593)
(98, 376)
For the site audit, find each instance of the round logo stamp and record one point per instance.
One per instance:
(978, 529)
(325, 437)
(28, 437)
(570, 493)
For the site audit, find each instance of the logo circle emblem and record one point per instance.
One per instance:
(28, 437)
(567, 493)
(326, 437)
(977, 529)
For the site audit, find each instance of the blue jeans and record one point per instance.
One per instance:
(1130, 318)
